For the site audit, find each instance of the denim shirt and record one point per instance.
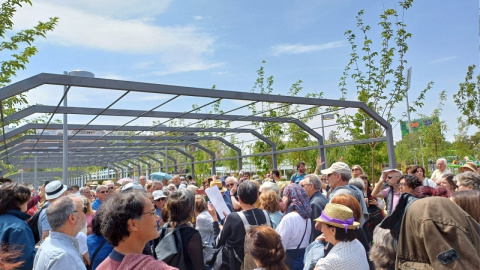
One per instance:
(58, 251)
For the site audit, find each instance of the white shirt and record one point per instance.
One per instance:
(429, 183)
(291, 229)
(345, 256)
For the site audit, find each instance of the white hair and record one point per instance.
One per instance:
(444, 161)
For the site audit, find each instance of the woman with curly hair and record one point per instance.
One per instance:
(408, 183)
(15, 235)
(265, 246)
(270, 202)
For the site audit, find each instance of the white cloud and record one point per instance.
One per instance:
(176, 48)
(300, 48)
(445, 59)
(197, 18)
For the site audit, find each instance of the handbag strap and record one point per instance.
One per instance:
(96, 252)
(298, 247)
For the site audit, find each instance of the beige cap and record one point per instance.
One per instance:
(338, 167)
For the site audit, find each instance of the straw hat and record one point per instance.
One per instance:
(469, 166)
(218, 183)
(334, 214)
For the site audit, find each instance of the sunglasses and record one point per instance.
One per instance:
(161, 199)
(103, 192)
(230, 185)
(389, 177)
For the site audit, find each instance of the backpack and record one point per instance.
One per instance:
(170, 247)
(33, 224)
(248, 262)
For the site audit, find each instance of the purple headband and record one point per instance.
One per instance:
(344, 223)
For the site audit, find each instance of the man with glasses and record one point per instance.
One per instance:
(60, 250)
(102, 194)
(232, 186)
(129, 228)
(110, 185)
(313, 187)
(392, 193)
(338, 176)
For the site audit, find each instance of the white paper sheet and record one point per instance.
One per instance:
(216, 198)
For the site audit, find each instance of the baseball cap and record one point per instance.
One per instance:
(158, 194)
(54, 190)
(338, 167)
(392, 170)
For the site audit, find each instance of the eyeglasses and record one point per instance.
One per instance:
(161, 199)
(355, 169)
(334, 173)
(152, 213)
(305, 184)
(390, 177)
(230, 185)
(402, 184)
(111, 188)
(103, 191)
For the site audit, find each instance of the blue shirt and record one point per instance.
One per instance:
(15, 232)
(96, 204)
(296, 178)
(93, 242)
(43, 224)
(58, 251)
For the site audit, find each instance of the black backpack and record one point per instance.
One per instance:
(33, 224)
(170, 247)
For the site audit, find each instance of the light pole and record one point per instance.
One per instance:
(421, 150)
(324, 150)
(415, 152)
(409, 76)
(65, 119)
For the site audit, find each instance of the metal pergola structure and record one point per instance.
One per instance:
(123, 146)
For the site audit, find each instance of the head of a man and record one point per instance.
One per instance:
(248, 192)
(110, 186)
(75, 188)
(230, 182)
(176, 180)
(311, 184)
(441, 164)
(129, 216)
(301, 167)
(102, 192)
(67, 215)
(393, 177)
(338, 174)
(157, 185)
(55, 190)
(275, 174)
(142, 180)
(85, 191)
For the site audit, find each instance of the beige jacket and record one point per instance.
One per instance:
(437, 234)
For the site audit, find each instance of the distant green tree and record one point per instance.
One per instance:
(468, 98)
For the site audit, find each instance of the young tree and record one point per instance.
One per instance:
(468, 98)
(378, 77)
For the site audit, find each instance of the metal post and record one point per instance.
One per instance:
(35, 172)
(324, 150)
(166, 159)
(65, 135)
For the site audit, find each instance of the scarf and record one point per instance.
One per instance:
(298, 200)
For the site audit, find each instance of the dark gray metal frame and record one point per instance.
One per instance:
(100, 150)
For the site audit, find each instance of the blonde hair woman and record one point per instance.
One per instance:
(87, 204)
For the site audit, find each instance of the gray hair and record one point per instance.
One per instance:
(467, 179)
(59, 211)
(346, 176)
(358, 182)
(269, 186)
(100, 187)
(384, 252)
(444, 161)
(314, 180)
(231, 178)
(83, 189)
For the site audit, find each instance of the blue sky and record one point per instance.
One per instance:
(201, 43)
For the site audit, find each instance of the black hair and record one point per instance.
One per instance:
(341, 235)
(12, 196)
(276, 172)
(248, 192)
(300, 163)
(117, 210)
(412, 181)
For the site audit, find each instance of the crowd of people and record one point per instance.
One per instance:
(335, 218)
